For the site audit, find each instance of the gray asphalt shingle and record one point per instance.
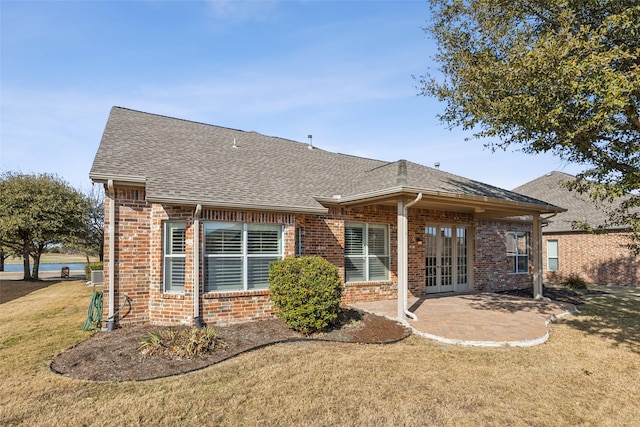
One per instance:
(580, 207)
(194, 162)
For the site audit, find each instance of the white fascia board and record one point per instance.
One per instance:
(479, 201)
(130, 180)
(237, 206)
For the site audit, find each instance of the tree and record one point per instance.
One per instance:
(91, 240)
(37, 211)
(4, 254)
(548, 76)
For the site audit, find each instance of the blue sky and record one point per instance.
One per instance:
(339, 70)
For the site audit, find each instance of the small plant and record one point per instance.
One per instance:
(574, 281)
(306, 292)
(93, 266)
(180, 344)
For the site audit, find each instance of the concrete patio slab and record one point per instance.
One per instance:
(479, 319)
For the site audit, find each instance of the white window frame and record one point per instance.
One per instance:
(513, 253)
(169, 257)
(244, 254)
(549, 257)
(366, 256)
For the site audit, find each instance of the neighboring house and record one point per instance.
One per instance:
(195, 213)
(597, 258)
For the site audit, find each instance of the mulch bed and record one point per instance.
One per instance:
(114, 356)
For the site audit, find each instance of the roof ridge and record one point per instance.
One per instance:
(178, 119)
(245, 131)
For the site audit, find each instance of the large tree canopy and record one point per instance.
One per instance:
(547, 76)
(37, 211)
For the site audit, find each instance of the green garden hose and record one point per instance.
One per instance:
(94, 312)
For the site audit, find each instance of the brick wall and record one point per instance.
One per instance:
(491, 264)
(132, 254)
(139, 257)
(597, 258)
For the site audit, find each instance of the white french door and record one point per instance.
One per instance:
(446, 259)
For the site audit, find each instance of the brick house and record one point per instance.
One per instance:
(598, 258)
(194, 214)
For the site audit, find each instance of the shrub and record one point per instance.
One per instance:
(306, 292)
(574, 281)
(93, 266)
(180, 344)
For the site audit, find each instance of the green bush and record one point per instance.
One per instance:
(93, 266)
(306, 292)
(574, 281)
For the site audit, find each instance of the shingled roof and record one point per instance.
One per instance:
(579, 206)
(185, 162)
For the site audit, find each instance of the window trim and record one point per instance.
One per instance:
(366, 255)
(514, 257)
(165, 256)
(243, 254)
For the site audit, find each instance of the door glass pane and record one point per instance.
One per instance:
(461, 251)
(430, 248)
(446, 256)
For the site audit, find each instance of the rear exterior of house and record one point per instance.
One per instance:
(599, 258)
(195, 213)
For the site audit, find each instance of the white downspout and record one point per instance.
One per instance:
(403, 254)
(196, 267)
(537, 260)
(112, 255)
(538, 221)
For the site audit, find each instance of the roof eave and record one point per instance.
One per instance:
(129, 180)
(480, 201)
(216, 204)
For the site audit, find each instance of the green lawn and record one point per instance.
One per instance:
(55, 259)
(587, 373)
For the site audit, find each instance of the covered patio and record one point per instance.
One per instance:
(477, 319)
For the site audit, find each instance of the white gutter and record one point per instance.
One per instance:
(112, 254)
(212, 204)
(403, 258)
(196, 267)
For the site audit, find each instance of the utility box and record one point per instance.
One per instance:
(97, 277)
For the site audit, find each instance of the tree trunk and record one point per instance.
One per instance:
(2, 258)
(25, 258)
(36, 265)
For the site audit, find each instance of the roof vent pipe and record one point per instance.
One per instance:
(235, 145)
(436, 165)
(310, 141)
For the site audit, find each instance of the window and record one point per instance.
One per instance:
(299, 241)
(366, 249)
(552, 255)
(175, 233)
(518, 252)
(237, 255)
